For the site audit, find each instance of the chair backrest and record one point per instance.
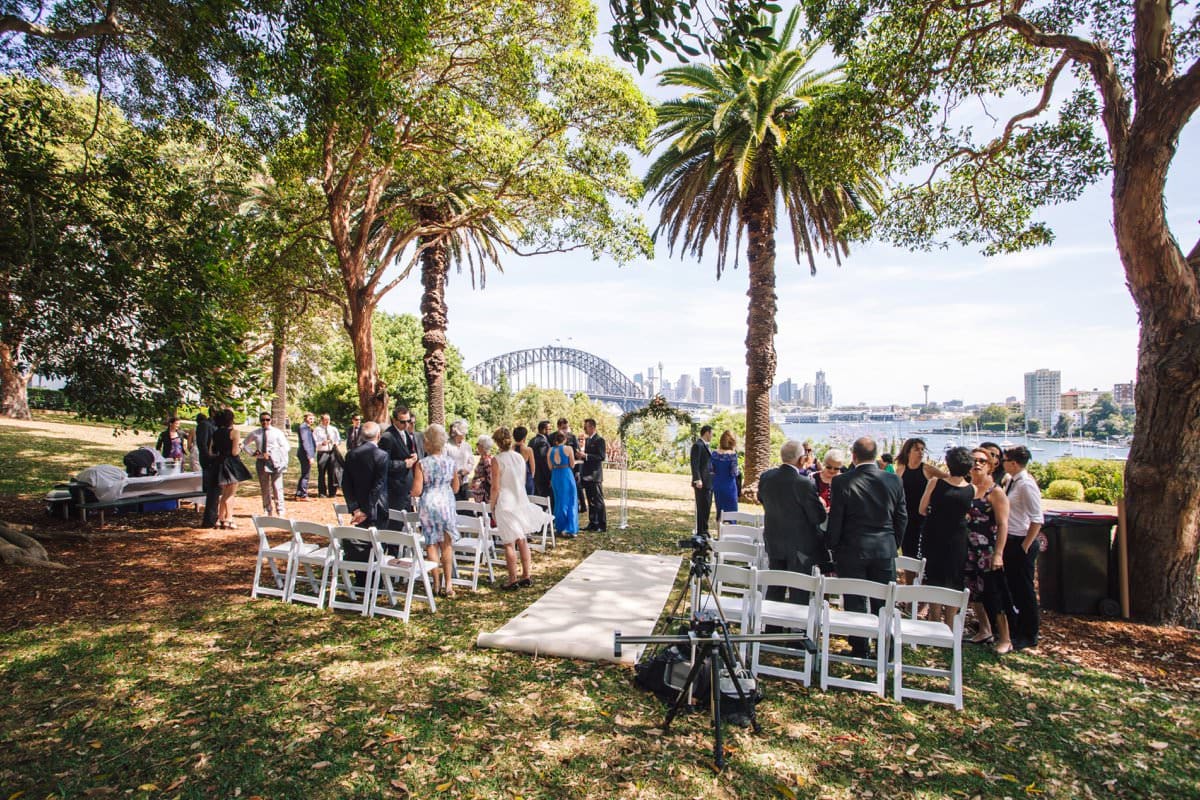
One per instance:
(538, 500)
(859, 587)
(406, 541)
(411, 520)
(954, 598)
(469, 525)
(795, 580)
(914, 565)
(742, 533)
(344, 533)
(263, 524)
(741, 579)
(302, 528)
(341, 510)
(735, 550)
(471, 507)
(741, 518)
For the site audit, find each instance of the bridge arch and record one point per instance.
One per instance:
(555, 366)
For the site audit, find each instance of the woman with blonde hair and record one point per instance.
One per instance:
(435, 480)
(515, 516)
(726, 472)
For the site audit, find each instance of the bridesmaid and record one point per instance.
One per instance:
(562, 486)
(725, 474)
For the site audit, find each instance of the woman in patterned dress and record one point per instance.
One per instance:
(987, 531)
(435, 480)
(481, 481)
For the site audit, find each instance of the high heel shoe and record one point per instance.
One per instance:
(983, 639)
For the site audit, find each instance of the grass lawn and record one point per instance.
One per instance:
(214, 695)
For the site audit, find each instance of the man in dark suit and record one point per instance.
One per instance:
(793, 512)
(540, 445)
(591, 476)
(306, 452)
(401, 460)
(354, 433)
(365, 487)
(701, 461)
(209, 467)
(866, 524)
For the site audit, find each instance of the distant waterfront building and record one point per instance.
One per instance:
(1123, 393)
(823, 392)
(739, 398)
(1069, 401)
(724, 387)
(787, 392)
(683, 388)
(807, 395)
(708, 384)
(1043, 397)
(697, 394)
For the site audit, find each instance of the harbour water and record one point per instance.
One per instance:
(887, 433)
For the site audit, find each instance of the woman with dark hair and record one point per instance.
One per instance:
(725, 471)
(172, 443)
(915, 474)
(995, 461)
(987, 533)
(562, 486)
(226, 447)
(945, 505)
(518, 446)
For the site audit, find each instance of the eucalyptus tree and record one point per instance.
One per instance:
(734, 151)
(1095, 90)
(433, 125)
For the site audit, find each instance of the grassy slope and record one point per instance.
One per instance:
(259, 698)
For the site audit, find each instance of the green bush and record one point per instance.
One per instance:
(1097, 494)
(1089, 472)
(1065, 490)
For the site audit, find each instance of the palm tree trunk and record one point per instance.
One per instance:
(758, 212)
(435, 264)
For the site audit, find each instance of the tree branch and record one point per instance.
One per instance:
(108, 26)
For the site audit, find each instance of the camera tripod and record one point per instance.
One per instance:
(710, 643)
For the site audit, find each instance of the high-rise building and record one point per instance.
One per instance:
(683, 388)
(807, 395)
(724, 387)
(822, 392)
(1123, 393)
(1043, 397)
(739, 398)
(707, 384)
(788, 392)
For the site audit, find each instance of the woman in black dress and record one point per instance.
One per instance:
(987, 525)
(914, 474)
(226, 445)
(945, 505)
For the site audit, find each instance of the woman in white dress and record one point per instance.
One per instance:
(515, 516)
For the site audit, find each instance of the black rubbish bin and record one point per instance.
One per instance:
(1073, 573)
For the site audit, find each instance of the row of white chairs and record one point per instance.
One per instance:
(311, 563)
(741, 592)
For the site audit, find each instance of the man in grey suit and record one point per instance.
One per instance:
(701, 461)
(793, 512)
(866, 524)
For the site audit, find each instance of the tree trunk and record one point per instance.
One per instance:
(434, 320)
(372, 393)
(14, 386)
(279, 374)
(758, 211)
(1162, 475)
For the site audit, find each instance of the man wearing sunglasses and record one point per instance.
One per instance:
(1024, 543)
(269, 447)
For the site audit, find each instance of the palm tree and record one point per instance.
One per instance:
(727, 165)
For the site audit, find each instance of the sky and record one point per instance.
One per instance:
(880, 326)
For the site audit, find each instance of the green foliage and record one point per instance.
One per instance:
(1090, 473)
(116, 256)
(994, 413)
(1062, 427)
(687, 30)
(1105, 419)
(1095, 494)
(1065, 490)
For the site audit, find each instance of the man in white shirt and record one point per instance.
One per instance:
(1019, 558)
(269, 447)
(327, 438)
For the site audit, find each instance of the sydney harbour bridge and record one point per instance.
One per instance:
(564, 368)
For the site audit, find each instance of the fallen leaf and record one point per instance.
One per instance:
(441, 787)
(322, 764)
(148, 787)
(1158, 745)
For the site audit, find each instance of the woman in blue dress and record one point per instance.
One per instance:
(725, 474)
(435, 480)
(562, 485)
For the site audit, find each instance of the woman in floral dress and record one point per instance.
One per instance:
(435, 480)
(987, 531)
(481, 481)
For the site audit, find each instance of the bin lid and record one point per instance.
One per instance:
(1084, 517)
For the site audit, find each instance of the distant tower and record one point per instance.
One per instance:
(927, 395)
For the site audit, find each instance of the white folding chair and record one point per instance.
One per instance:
(471, 550)
(409, 521)
(314, 552)
(471, 507)
(474, 508)
(547, 531)
(732, 588)
(408, 566)
(740, 518)
(742, 533)
(799, 617)
(839, 622)
(346, 567)
(272, 554)
(915, 568)
(736, 552)
(341, 512)
(933, 634)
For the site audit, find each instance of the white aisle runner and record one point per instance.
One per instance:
(607, 592)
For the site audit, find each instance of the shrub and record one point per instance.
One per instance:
(1097, 494)
(1065, 490)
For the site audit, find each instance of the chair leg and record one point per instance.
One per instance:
(824, 654)
(257, 576)
(897, 667)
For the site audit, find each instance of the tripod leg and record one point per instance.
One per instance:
(714, 691)
(684, 692)
(727, 657)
